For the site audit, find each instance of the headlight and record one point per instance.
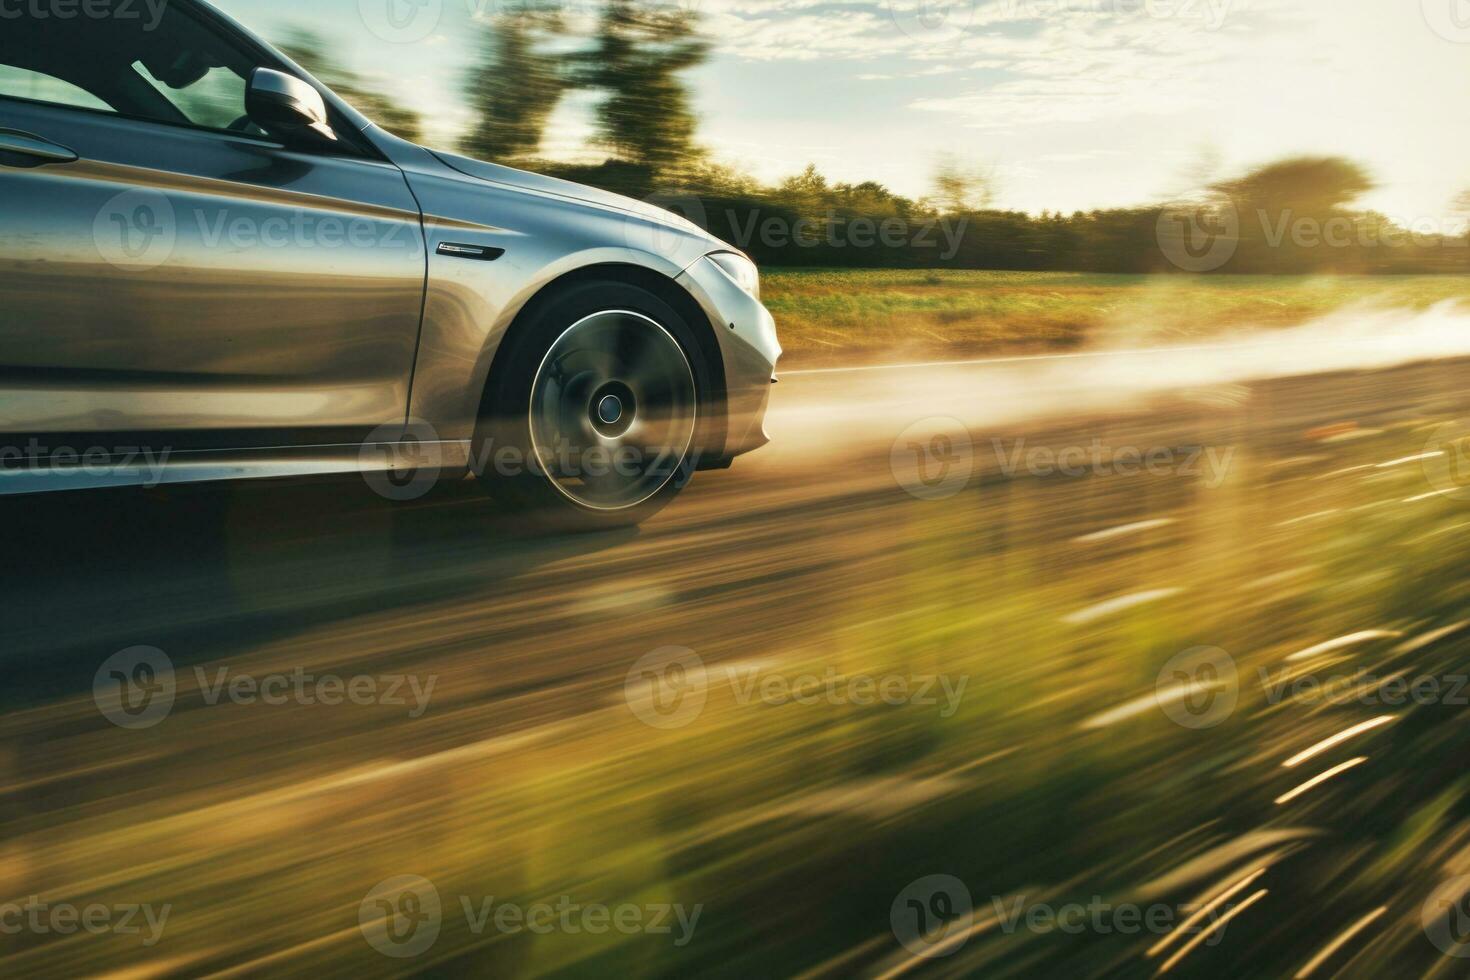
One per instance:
(741, 271)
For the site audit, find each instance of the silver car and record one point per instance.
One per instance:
(212, 267)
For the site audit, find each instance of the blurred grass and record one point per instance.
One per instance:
(854, 315)
(796, 825)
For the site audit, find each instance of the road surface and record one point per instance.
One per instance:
(909, 666)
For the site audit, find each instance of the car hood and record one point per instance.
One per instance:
(526, 180)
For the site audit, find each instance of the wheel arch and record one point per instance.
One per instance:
(655, 282)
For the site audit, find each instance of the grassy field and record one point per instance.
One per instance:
(830, 316)
(796, 827)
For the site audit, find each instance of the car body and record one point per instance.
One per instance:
(298, 292)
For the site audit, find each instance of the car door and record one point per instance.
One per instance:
(167, 269)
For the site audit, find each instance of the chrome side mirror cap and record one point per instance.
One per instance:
(284, 105)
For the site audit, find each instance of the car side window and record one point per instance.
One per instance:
(177, 70)
(215, 101)
(22, 83)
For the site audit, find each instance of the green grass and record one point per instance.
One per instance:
(796, 825)
(832, 316)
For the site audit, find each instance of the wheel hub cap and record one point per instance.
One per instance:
(610, 410)
(613, 410)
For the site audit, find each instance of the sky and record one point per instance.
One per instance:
(1066, 104)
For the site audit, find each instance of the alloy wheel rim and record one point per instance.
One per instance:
(613, 410)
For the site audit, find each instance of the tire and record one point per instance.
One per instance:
(597, 407)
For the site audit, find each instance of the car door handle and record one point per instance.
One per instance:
(33, 147)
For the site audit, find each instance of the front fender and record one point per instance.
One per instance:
(469, 304)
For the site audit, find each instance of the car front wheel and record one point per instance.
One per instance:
(595, 417)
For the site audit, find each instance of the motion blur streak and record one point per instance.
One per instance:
(1184, 950)
(1338, 739)
(1205, 911)
(1320, 778)
(1340, 941)
(793, 812)
(983, 393)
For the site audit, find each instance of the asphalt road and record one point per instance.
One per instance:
(260, 823)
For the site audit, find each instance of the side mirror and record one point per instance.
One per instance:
(284, 105)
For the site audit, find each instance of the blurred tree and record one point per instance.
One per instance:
(518, 85)
(870, 199)
(1308, 185)
(637, 56)
(807, 190)
(1287, 208)
(960, 189)
(809, 197)
(309, 50)
(1461, 209)
(705, 176)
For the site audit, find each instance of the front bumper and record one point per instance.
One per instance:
(749, 350)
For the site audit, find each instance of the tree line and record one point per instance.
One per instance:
(1294, 216)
